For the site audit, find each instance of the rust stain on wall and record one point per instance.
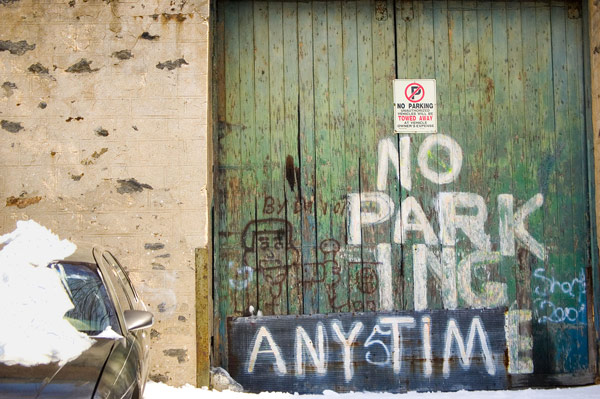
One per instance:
(95, 155)
(22, 201)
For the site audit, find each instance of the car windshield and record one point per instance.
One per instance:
(93, 312)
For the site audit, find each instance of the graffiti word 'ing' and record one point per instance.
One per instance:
(344, 348)
(549, 311)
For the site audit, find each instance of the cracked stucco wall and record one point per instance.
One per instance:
(103, 139)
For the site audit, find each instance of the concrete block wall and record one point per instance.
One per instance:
(104, 139)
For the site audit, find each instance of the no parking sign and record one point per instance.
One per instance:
(415, 106)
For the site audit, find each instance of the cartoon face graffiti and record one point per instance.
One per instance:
(269, 251)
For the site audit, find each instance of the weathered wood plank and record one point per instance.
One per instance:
(514, 95)
(352, 143)
(404, 12)
(323, 195)
(293, 160)
(531, 144)
(204, 315)
(503, 183)
(384, 71)
(488, 153)
(246, 277)
(516, 125)
(409, 68)
(473, 139)
(580, 200)
(519, 282)
(560, 187)
(220, 289)
(455, 110)
(267, 231)
(546, 162)
(231, 158)
(311, 277)
(229, 174)
(337, 279)
(277, 156)
(368, 148)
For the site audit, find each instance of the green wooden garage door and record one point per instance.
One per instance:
(321, 208)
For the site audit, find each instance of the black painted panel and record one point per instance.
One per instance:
(264, 355)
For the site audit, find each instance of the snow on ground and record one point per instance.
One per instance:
(34, 300)
(160, 391)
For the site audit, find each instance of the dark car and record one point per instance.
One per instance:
(106, 308)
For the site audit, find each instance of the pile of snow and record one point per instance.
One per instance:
(34, 300)
(160, 391)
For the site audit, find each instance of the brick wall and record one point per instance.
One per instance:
(103, 139)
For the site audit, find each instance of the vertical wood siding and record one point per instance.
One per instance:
(305, 117)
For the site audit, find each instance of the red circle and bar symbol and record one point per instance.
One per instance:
(414, 92)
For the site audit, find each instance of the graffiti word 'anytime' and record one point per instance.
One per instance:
(575, 288)
(342, 349)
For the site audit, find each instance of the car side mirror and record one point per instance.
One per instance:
(138, 319)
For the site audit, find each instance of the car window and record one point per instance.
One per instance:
(93, 312)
